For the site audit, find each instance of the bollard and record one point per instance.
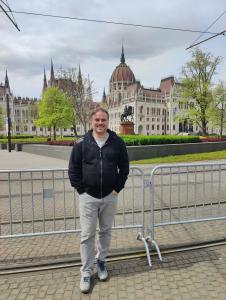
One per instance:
(19, 147)
(3, 146)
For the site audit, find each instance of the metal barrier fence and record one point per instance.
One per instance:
(42, 202)
(184, 193)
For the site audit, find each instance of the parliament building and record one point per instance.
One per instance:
(155, 111)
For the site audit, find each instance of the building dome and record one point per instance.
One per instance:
(122, 72)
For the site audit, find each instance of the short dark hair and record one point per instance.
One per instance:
(100, 109)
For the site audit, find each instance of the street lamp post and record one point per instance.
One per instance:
(8, 122)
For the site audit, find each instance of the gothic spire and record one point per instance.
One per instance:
(89, 89)
(7, 81)
(122, 56)
(52, 78)
(104, 98)
(79, 75)
(79, 72)
(44, 81)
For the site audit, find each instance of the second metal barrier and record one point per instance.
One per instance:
(184, 193)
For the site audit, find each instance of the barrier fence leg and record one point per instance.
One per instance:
(141, 238)
(149, 239)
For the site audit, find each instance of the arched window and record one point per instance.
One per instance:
(119, 97)
(140, 129)
(141, 109)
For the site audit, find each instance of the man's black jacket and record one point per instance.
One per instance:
(99, 171)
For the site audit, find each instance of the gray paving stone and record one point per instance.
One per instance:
(198, 274)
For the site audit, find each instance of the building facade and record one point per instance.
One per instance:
(155, 110)
(23, 111)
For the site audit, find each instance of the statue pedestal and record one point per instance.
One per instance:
(126, 128)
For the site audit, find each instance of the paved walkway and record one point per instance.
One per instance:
(198, 274)
(22, 160)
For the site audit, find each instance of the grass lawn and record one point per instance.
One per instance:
(183, 158)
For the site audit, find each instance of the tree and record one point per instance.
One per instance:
(80, 91)
(218, 109)
(54, 110)
(197, 84)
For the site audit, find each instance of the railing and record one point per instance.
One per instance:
(42, 202)
(184, 193)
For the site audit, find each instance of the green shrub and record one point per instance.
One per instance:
(136, 140)
(130, 140)
(23, 136)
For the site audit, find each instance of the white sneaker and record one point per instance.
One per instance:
(101, 270)
(85, 284)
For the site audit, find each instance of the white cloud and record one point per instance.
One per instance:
(151, 53)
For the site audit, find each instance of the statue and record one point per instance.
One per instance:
(128, 111)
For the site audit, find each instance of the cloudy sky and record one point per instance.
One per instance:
(152, 54)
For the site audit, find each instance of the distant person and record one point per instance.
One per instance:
(98, 170)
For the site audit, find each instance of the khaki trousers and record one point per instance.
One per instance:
(93, 209)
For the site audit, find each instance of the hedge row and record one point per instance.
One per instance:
(133, 140)
(15, 137)
(136, 140)
(212, 139)
(35, 140)
(130, 140)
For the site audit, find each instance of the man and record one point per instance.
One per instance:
(98, 170)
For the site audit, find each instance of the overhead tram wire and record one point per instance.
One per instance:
(193, 44)
(111, 22)
(220, 33)
(6, 9)
(214, 22)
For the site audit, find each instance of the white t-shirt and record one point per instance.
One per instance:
(101, 142)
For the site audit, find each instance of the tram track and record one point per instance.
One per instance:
(120, 257)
